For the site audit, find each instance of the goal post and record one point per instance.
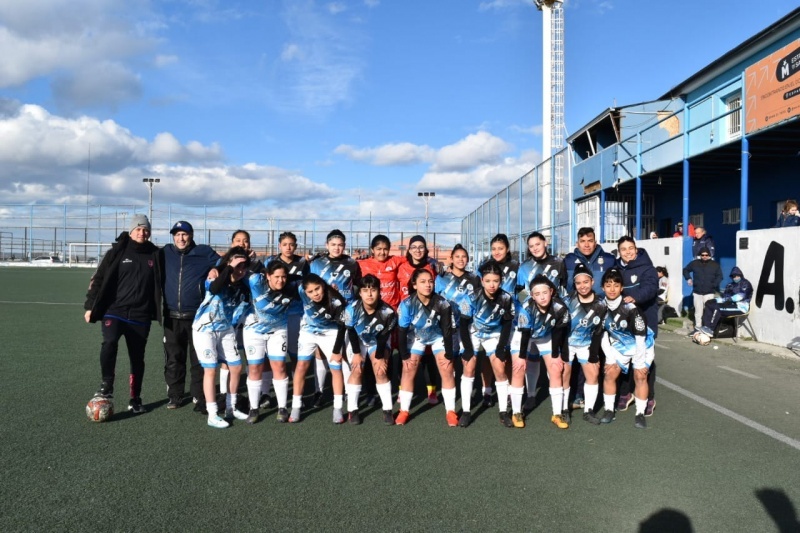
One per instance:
(86, 253)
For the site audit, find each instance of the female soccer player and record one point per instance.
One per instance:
(431, 318)
(227, 299)
(341, 272)
(265, 334)
(587, 311)
(457, 286)
(370, 323)
(321, 329)
(544, 319)
(486, 325)
(626, 340)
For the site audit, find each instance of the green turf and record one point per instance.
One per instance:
(167, 471)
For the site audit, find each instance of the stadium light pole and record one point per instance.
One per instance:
(150, 182)
(426, 197)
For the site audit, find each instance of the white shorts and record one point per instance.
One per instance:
(418, 347)
(488, 345)
(308, 342)
(581, 353)
(215, 347)
(639, 360)
(536, 347)
(257, 345)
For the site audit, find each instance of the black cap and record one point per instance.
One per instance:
(182, 225)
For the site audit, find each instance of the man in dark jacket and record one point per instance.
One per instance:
(735, 300)
(592, 256)
(702, 240)
(125, 294)
(185, 266)
(704, 276)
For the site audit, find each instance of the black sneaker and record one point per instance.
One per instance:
(639, 422)
(319, 400)
(488, 401)
(135, 406)
(354, 418)
(106, 390)
(174, 402)
(505, 419)
(607, 417)
(465, 419)
(388, 417)
(283, 415)
(252, 416)
(588, 416)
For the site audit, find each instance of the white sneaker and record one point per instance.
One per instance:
(338, 416)
(216, 422)
(235, 413)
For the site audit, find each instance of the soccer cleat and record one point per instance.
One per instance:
(338, 416)
(388, 417)
(639, 422)
(505, 419)
(607, 417)
(518, 420)
(588, 416)
(578, 402)
(295, 416)
(559, 421)
(252, 417)
(282, 416)
(216, 422)
(235, 413)
(651, 406)
(402, 418)
(566, 416)
(354, 418)
(433, 398)
(106, 390)
(135, 406)
(452, 418)
(465, 420)
(319, 400)
(487, 401)
(530, 403)
(174, 402)
(624, 401)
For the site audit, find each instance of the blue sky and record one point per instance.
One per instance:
(302, 108)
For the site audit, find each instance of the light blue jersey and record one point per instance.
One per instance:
(319, 317)
(623, 325)
(426, 320)
(457, 290)
(342, 273)
(222, 311)
(369, 327)
(270, 308)
(488, 314)
(587, 318)
(541, 324)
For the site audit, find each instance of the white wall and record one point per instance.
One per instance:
(767, 252)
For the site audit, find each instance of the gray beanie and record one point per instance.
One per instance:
(139, 220)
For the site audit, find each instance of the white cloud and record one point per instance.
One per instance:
(372, 3)
(105, 84)
(162, 61)
(528, 130)
(475, 149)
(502, 4)
(334, 8)
(290, 52)
(388, 154)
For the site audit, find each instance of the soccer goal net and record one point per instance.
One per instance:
(86, 253)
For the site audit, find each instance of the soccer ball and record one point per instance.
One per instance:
(99, 409)
(701, 338)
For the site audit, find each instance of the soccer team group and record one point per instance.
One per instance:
(355, 318)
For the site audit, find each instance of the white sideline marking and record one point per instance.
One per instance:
(659, 345)
(727, 412)
(745, 374)
(41, 303)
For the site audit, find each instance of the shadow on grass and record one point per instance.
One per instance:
(780, 509)
(666, 521)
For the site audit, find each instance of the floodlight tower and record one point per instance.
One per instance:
(552, 99)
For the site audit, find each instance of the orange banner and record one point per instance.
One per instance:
(773, 88)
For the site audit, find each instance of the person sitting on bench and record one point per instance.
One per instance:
(735, 300)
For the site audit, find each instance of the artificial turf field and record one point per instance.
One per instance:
(694, 469)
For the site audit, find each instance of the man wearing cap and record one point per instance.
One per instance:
(186, 265)
(704, 276)
(125, 295)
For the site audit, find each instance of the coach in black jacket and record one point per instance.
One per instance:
(186, 266)
(125, 294)
(704, 275)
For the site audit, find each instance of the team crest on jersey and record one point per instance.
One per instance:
(512, 274)
(623, 324)
(634, 278)
(553, 322)
(346, 273)
(639, 323)
(379, 328)
(596, 320)
(286, 301)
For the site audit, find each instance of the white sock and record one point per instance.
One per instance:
(449, 397)
(266, 382)
(223, 380)
(502, 395)
(353, 391)
(640, 405)
(565, 401)
(297, 402)
(590, 391)
(532, 377)
(385, 393)
(230, 402)
(405, 399)
(254, 392)
(466, 393)
(338, 401)
(281, 391)
(608, 401)
(211, 407)
(556, 395)
(516, 398)
(320, 371)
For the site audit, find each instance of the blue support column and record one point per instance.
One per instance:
(744, 199)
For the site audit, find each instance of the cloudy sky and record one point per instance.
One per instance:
(340, 108)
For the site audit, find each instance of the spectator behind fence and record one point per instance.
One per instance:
(735, 300)
(702, 240)
(704, 276)
(788, 217)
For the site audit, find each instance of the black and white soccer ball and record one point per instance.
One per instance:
(701, 338)
(99, 409)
